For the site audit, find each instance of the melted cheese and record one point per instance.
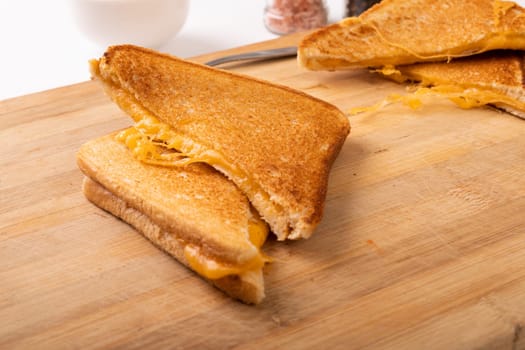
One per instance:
(257, 230)
(208, 267)
(464, 96)
(411, 100)
(154, 142)
(469, 97)
(213, 269)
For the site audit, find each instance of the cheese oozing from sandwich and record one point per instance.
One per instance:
(154, 142)
(213, 269)
(465, 94)
(465, 98)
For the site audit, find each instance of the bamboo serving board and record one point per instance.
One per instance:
(422, 245)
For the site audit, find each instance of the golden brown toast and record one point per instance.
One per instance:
(494, 78)
(396, 32)
(276, 144)
(193, 213)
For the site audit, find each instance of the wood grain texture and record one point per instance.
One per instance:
(421, 246)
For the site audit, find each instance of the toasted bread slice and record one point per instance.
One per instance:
(493, 78)
(276, 144)
(396, 32)
(193, 213)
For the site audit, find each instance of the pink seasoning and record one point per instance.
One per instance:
(289, 16)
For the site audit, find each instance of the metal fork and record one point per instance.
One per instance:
(256, 55)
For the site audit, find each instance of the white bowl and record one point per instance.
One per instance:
(149, 23)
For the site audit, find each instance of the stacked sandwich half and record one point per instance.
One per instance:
(467, 50)
(214, 162)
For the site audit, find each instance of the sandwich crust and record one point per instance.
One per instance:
(280, 141)
(396, 32)
(175, 208)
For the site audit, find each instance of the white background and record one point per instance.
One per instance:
(42, 48)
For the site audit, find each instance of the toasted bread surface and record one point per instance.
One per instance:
(396, 32)
(494, 68)
(282, 140)
(177, 207)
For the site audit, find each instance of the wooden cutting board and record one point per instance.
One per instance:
(422, 245)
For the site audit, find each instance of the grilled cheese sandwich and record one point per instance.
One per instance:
(193, 213)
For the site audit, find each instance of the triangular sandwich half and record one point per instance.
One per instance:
(193, 213)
